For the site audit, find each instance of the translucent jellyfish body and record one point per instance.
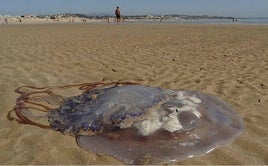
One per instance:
(136, 124)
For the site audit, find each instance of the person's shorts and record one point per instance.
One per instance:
(118, 16)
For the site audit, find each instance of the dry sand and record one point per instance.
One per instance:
(229, 61)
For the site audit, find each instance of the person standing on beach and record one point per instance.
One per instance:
(118, 15)
(6, 20)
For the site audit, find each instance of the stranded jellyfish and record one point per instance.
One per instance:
(133, 123)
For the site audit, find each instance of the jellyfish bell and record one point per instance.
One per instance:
(138, 124)
(185, 125)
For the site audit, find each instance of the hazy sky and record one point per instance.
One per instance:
(237, 8)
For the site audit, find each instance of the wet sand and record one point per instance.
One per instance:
(228, 61)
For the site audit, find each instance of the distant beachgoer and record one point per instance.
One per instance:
(118, 15)
(1, 20)
(6, 20)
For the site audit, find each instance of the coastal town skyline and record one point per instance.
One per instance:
(238, 8)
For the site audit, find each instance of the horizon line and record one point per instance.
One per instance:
(154, 14)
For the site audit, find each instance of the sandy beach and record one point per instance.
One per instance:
(228, 61)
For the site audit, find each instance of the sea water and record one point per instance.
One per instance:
(258, 21)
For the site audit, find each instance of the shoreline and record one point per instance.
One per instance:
(18, 20)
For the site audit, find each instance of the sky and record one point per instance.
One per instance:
(236, 8)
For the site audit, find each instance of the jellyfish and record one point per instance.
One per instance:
(134, 123)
